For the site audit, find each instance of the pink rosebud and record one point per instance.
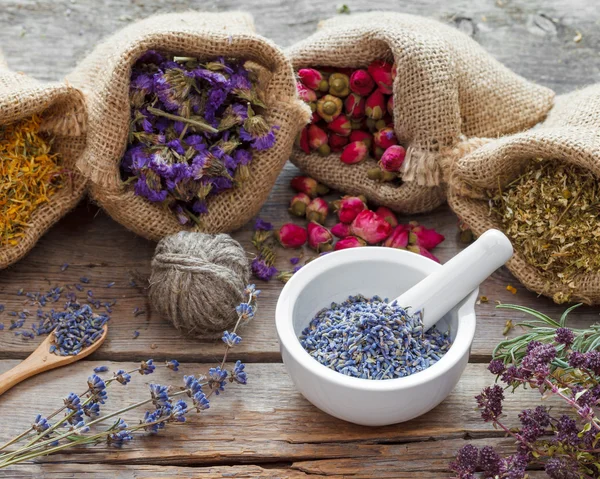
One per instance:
(319, 237)
(340, 125)
(392, 158)
(387, 215)
(298, 204)
(337, 142)
(349, 242)
(354, 152)
(348, 207)
(390, 105)
(292, 236)
(427, 238)
(304, 140)
(317, 210)
(310, 77)
(355, 106)
(341, 230)
(385, 138)
(315, 118)
(371, 227)
(308, 185)
(394, 71)
(422, 251)
(306, 94)
(360, 135)
(381, 72)
(398, 238)
(375, 106)
(317, 140)
(361, 82)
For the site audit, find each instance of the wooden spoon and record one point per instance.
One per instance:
(43, 360)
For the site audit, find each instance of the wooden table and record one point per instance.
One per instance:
(266, 429)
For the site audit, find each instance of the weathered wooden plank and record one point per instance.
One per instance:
(98, 248)
(267, 421)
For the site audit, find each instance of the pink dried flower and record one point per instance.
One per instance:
(371, 227)
(349, 242)
(298, 204)
(348, 207)
(392, 158)
(375, 105)
(341, 230)
(306, 94)
(340, 125)
(361, 82)
(355, 106)
(354, 152)
(422, 251)
(381, 72)
(398, 238)
(360, 135)
(311, 78)
(337, 142)
(390, 105)
(387, 215)
(292, 236)
(303, 140)
(308, 185)
(317, 210)
(427, 238)
(317, 139)
(319, 237)
(385, 137)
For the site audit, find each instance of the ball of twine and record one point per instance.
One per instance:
(198, 280)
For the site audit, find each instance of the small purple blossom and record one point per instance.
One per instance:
(490, 402)
(231, 339)
(262, 225)
(147, 367)
(262, 270)
(564, 336)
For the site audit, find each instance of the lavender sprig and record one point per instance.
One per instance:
(45, 438)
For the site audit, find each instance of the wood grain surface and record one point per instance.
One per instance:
(266, 429)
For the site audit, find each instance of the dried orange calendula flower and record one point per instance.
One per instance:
(512, 289)
(29, 175)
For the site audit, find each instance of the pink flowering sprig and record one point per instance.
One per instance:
(75, 428)
(564, 364)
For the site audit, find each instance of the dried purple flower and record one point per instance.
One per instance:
(490, 402)
(564, 336)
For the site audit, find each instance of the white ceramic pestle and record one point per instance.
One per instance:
(439, 292)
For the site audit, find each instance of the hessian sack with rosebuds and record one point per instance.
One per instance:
(104, 77)
(448, 92)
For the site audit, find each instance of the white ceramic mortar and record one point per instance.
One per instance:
(386, 272)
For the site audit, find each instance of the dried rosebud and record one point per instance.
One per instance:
(390, 105)
(375, 174)
(360, 124)
(291, 235)
(311, 78)
(329, 107)
(349, 242)
(303, 140)
(422, 251)
(371, 227)
(317, 140)
(319, 237)
(394, 71)
(381, 72)
(361, 82)
(337, 142)
(341, 230)
(375, 106)
(308, 185)
(398, 238)
(298, 204)
(385, 138)
(317, 210)
(354, 152)
(381, 124)
(348, 207)
(340, 125)
(392, 158)
(388, 176)
(363, 136)
(355, 106)
(306, 94)
(339, 84)
(387, 215)
(427, 238)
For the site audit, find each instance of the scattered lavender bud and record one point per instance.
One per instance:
(100, 369)
(111, 284)
(136, 334)
(64, 267)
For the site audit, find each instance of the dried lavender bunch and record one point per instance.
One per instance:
(76, 426)
(194, 128)
(566, 446)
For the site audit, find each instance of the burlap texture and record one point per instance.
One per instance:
(62, 109)
(448, 90)
(104, 76)
(571, 134)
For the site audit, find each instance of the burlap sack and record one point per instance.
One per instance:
(104, 76)
(63, 116)
(571, 134)
(448, 92)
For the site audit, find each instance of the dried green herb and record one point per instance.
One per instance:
(552, 215)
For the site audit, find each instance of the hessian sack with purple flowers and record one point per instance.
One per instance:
(105, 78)
(62, 111)
(448, 91)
